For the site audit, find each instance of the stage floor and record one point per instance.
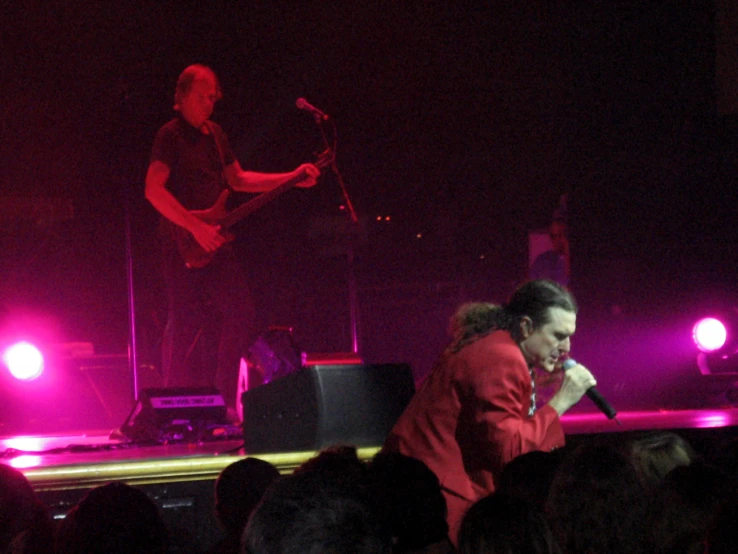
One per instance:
(89, 459)
(84, 460)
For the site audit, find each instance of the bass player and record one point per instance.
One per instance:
(191, 164)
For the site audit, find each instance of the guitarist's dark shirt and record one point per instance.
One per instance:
(196, 177)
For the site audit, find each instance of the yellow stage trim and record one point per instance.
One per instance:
(165, 470)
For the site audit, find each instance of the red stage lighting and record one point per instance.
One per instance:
(24, 361)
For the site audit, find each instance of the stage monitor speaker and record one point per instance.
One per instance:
(323, 405)
(177, 413)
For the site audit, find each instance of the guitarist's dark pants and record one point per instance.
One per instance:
(195, 296)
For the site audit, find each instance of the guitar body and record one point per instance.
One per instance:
(194, 255)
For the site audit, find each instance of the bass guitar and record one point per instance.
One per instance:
(194, 255)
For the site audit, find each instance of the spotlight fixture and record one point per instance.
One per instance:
(716, 338)
(24, 361)
(709, 334)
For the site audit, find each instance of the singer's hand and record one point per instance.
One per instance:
(311, 174)
(577, 380)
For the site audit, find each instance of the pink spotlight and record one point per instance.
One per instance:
(709, 334)
(24, 361)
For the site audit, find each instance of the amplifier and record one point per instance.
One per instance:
(322, 405)
(175, 413)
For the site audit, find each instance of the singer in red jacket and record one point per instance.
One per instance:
(476, 410)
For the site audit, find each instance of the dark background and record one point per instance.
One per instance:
(462, 122)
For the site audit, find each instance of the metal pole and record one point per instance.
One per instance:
(132, 357)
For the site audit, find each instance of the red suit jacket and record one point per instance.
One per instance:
(470, 418)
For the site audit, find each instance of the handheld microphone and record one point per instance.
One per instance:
(594, 395)
(303, 104)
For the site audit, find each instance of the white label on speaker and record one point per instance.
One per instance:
(165, 402)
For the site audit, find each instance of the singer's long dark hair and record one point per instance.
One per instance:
(532, 299)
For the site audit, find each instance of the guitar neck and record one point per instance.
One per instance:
(254, 204)
(265, 197)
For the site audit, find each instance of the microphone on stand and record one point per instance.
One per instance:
(303, 104)
(594, 395)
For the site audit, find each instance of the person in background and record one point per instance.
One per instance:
(501, 524)
(238, 490)
(596, 503)
(554, 264)
(411, 496)
(329, 504)
(25, 524)
(191, 165)
(656, 454)
(113, 519)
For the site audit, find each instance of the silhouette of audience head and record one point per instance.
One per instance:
(722, 536)
(325, 506)
(725, 455)
(338, 461)
(656, 454)
(413, 503)
(113, 519)
(529, 476)
(686, 507)
(239, 489)
(597, 504)
(501, 524)
(25, 525)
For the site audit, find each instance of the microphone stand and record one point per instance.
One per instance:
(132, 355)
(351, 250)
(132, 351)
(351, 259)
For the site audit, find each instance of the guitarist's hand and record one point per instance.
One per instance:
(311, 174)
(208, 236)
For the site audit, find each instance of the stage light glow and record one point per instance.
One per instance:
(25, 362)
(25, 444)
(711, 420)
(709, 334)
(25, 461)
